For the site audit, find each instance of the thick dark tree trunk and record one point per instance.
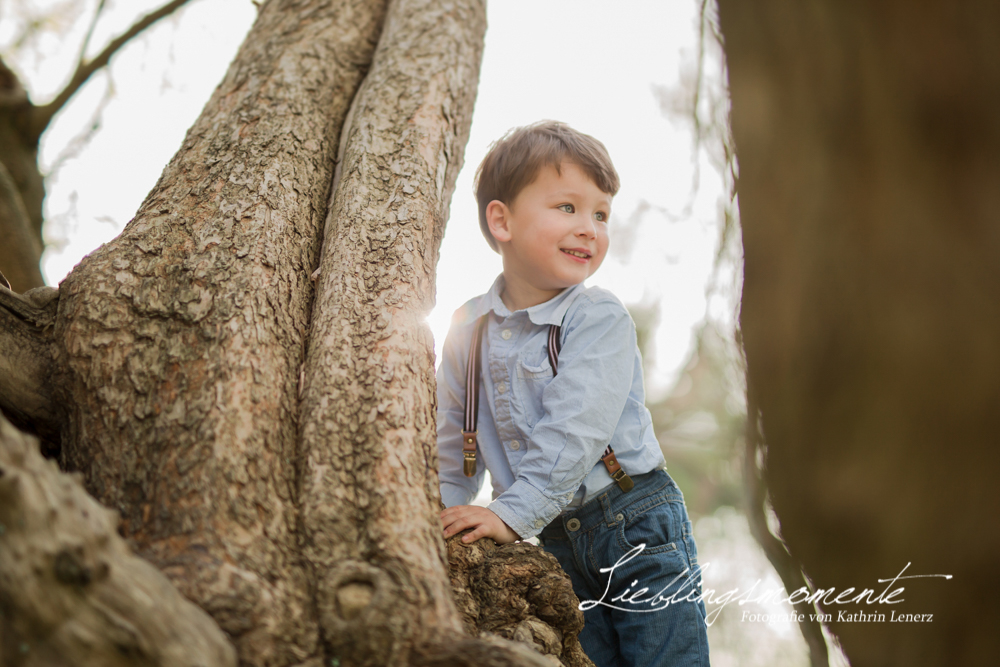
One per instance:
(867, 136)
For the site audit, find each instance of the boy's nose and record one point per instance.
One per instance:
(586, 228)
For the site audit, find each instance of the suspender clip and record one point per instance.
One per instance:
(469, 452)
(624, 481)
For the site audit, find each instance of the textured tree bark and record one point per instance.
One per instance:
(71, 592)
(369, 486)
(867, 136)
(517, 592)
(787, 568)
(26, 359)
(182, 340)
(274, 458)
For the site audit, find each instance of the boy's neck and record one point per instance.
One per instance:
(518, 294)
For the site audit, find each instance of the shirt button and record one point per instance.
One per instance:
(505, 334)
(539, 523)
(515, 445)
(573, 525)
(502, 388)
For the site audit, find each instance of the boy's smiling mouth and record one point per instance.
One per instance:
(581, 254)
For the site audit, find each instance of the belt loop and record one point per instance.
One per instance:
(606, 508)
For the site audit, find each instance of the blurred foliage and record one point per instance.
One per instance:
(700, 423)
(700, 426)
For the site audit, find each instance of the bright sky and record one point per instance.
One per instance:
(590, 63)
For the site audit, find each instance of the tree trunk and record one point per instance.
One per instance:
(73, 592)
(867, 136)
(181, 342)
(368, 482)
(275, 457)
(21, 187)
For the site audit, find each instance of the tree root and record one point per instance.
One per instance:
(516, 592)
(71, 591)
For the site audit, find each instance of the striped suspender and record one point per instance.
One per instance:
(472, 399)
(554, 346)
(472, 405)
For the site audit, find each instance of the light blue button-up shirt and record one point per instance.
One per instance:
(542, 436)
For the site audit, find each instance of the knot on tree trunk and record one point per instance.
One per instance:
(517, 592)
(356, 606)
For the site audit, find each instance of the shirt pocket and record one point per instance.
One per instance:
(532, 378)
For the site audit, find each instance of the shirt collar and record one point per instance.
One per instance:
(547, 312)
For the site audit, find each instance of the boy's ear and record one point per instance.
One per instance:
(498, 220)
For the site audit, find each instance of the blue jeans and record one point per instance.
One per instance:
(645, 610)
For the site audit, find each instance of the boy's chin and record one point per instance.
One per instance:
(573, 280)
(566, 284)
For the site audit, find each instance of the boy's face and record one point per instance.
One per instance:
(555, 233)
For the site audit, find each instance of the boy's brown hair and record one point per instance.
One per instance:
(513, 161)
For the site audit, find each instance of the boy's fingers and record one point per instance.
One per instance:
(453, 513)
(450, 528)
(474, 535)
(457, 525)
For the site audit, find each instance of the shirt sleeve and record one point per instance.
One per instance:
(456, 488)
(581, 408)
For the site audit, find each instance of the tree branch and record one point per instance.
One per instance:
(12, 93)
(20, 252)
(80, 141)
(26, 359)
(72, 592)
(486, 651)
(90, 31)
(42, 115)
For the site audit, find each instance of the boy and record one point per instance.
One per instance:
(553, 400)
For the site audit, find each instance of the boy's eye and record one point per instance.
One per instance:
(601, 216)
(566, 208)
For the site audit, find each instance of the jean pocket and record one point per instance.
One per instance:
(652, 528)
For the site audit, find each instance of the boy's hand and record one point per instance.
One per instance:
(486, 523)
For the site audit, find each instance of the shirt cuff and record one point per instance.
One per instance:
(526, 509)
